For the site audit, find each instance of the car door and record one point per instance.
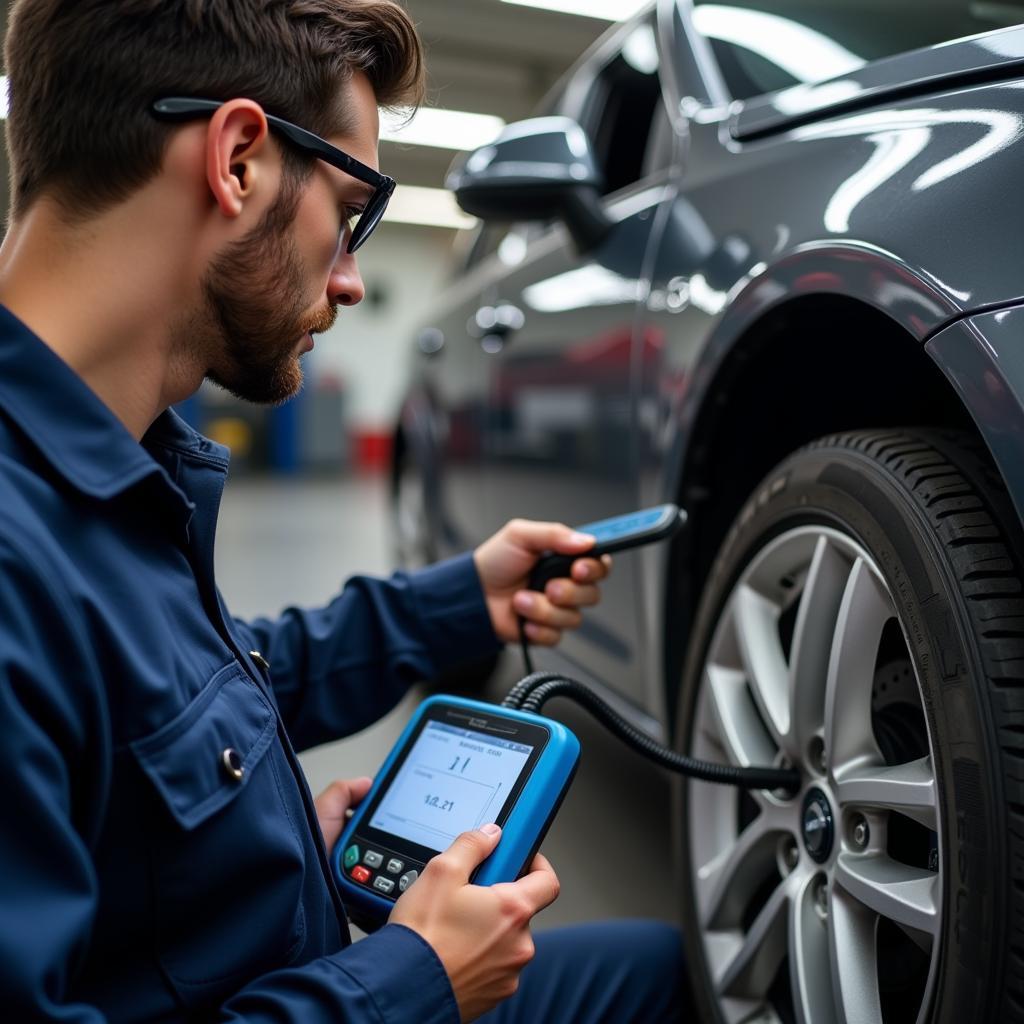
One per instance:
(558, 330)
(455, 385)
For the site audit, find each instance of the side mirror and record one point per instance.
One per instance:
(540, 169)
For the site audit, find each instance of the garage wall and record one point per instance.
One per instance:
(370, 346)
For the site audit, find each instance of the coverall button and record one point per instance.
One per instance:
(232, 762)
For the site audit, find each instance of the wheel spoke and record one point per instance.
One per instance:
(741, 730)
(729, 880)
(751, 969)
(864, 611)
(908, 788)
(812, 642)
(907, 896)
(809, 976)
(757, 633)
(853, 960)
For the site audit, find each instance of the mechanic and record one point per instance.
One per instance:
(161, 857)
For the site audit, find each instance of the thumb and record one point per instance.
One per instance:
(558, 537)
(334, 802)
(471, 849)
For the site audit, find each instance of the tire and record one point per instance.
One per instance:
(864, 622)
(414, 545)
(412, 536)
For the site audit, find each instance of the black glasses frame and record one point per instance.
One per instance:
(183, 108)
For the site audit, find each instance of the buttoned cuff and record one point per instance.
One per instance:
(402, 975)
(451, 605)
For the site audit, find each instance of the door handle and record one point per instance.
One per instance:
(492, 325)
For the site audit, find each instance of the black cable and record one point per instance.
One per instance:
(522, 689)
(533, 691)
(524, 646)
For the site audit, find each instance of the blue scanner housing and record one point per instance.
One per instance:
(459, 763)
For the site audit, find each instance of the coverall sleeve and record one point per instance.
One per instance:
(390, 977)
(338, 669)
(51, 723)
(55, 759)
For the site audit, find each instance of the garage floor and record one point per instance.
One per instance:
(283, 543)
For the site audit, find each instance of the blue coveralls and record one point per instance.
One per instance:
(139, 879)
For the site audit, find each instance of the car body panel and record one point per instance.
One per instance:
(983, 356)
(986, 56)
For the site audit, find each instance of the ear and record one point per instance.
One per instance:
(236, 149)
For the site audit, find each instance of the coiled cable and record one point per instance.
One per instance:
(533, 691)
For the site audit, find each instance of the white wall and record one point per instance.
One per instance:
(370, 346)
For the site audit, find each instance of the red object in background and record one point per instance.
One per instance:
(361, 874)
(371, 450)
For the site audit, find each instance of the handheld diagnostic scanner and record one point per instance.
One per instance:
(458, 765)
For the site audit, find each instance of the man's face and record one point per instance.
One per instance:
(266, 295)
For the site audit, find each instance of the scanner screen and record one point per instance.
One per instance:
(452, 780)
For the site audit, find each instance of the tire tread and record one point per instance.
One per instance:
(952, 481)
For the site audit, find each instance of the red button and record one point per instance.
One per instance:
(361, 874)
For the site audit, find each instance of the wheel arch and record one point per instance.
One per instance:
(781, 372)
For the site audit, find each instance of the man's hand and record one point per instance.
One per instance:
(333, 804)
(504, 563)
(481, 934)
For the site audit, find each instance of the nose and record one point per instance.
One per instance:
(345, 286)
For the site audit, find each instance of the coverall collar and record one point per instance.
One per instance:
(77, 434)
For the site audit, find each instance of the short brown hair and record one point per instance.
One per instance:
(83, 73)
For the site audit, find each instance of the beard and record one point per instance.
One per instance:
(255, 312)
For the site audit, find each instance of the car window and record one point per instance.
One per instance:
(765, 45)
(509, 241)
(620, 111)
(628, 127)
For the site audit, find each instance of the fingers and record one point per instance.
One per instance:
(467, 852)
(333, 804)
(591, 570)
(566, 594)
(539, 888)
(541, 611)
(542, 636)
(340, 795)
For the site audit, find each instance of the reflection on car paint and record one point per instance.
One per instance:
(901, 136)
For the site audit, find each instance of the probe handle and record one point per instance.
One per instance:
(618, 534)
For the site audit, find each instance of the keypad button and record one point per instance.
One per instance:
(361, 874)
(373, 859)
(395, 866)
(352, 856)
(382, 884)
(407, 879)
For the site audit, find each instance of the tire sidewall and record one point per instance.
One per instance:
(834, 486)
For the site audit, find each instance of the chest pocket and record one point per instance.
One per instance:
(227, 861)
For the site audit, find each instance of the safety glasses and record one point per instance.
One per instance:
(181, 108)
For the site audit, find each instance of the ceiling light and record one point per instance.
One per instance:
(430, 207)
(605, 10)
(447, 129)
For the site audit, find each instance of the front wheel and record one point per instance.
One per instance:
(863, 622)
(412, 537)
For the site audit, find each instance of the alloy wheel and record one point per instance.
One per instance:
(825, 906)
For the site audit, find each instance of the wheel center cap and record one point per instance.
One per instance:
(817, 826)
